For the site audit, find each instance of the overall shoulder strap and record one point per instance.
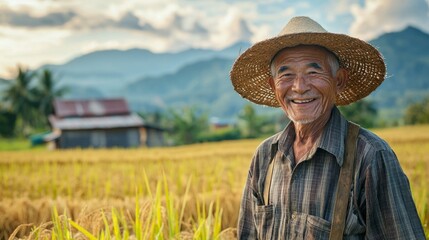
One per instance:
(344, 184)
(269, 176)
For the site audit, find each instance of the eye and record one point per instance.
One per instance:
(286, 76)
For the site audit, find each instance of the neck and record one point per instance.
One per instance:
(307, 134)
(310, 131)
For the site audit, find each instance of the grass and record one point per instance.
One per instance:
(187, 192)
(18, 144)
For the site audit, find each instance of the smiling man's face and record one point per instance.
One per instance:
(304, 84)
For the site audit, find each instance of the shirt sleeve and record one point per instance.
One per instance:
(246, 228)
(390, 209)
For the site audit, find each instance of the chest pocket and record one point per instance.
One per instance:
(304, 226)
(264, 220)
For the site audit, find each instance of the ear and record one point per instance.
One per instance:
(342, 77)
(270, 81)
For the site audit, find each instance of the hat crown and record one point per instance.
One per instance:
(364, 63)
(302, 25)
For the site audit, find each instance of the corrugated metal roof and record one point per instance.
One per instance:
(106, 122)
(90, 108)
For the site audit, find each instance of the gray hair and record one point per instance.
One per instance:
(333, 62)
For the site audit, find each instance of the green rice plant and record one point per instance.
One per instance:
(217, 225)
(422, 205)
(148, 204)
(105, 234)
(116, 227)
(83, 230)
(137, 220)
(61, 228)
(161, 221)
(156, 225)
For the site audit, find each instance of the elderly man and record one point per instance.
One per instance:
(321, 177)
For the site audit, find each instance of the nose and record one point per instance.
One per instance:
(300, 85)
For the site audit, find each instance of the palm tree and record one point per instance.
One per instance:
(187, 125)
(252, 123)
(19, 95)
(46, 92)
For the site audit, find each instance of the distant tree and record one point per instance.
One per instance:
(249, 121)
(417, 113)
(361, 112)
(253, 125)
(20, 96)
(7, 122)
(156, 118)
(45, 93)
(187, 125)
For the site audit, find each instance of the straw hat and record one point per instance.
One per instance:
(365, 65)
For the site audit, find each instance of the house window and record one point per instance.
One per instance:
(98, 138)
(133, 137)
(71, 139)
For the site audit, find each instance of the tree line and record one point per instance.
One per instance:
(417, 113)
(190, 125)
(27, 102)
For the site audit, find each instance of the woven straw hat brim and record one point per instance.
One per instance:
(365, 66)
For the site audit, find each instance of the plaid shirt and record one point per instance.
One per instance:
(301, 197)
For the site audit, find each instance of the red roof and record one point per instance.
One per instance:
(90, 108)
(106, 122)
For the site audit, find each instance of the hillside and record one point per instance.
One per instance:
(407, 58)
(205, 84)
(110, 70)
(156, 81)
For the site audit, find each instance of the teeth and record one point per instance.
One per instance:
(303, 101)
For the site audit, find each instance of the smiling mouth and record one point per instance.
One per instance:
(302, 101)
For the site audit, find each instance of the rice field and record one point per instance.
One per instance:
(187, 192)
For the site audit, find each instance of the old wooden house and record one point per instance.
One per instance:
(100, 124)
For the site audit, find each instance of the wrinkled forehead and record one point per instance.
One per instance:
(316, 48)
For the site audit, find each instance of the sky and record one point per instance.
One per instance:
(37, 32)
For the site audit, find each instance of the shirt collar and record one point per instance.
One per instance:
(334, 136)
(332, 139)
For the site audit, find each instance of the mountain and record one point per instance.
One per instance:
(205, 83)
(158, 81)
(110, 70)
(406, 55)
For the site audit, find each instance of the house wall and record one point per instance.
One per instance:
(154, 137)
(151, 137)
(96, 138)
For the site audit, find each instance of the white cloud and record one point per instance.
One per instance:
(41, 47)
(157, 25)
(29, 19)
(341, 7)
(230, 29)
(338, 8)
(379, 16)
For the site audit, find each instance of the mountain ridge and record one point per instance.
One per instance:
(406, 55)
(148, 83)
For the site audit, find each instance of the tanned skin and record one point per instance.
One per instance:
(306, 88)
